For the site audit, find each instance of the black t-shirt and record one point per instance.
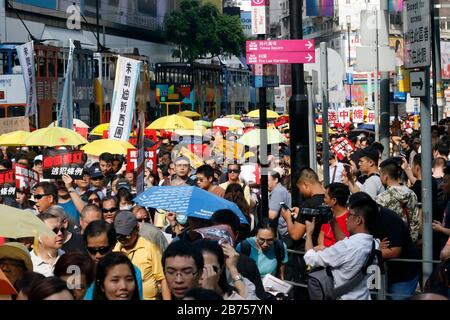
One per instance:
(247, 268)
(390, 225)
(438, 207)
(75, 244)
(311, 203)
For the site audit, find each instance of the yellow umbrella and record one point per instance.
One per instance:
(172, 122)
(112, 146)
(202, 123)
(270, 114)
(197, 131)
(189, 114)
(15, 138)
(76, 122)
(98, 130)
(16, 223)
(54, 136)
(252, 138)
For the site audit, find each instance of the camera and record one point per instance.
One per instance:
(322, 213)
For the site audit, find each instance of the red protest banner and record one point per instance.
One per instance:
(7, 183)
(151, 159)
(342, 147)
(25, 178)
(58, 162)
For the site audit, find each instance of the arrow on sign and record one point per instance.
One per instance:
(309, 57)
(418, 84)
(309, 44)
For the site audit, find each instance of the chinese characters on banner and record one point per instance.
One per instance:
(141, 155)
(344, 115)
(25, 54)
(342, 147)
(7, 183)
(358, 114)
(58, 162)
(151, 159)
(370, 117)
(332, 116)
(127, 76)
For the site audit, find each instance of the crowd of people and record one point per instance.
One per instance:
(108, 247)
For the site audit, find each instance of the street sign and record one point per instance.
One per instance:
(417, 84)
(264, 46)
(417, 34)
(260, 16)
(280, 57)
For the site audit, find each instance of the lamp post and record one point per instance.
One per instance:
(349, 25)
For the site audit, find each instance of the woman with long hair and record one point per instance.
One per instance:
(115, 278)
(235, 193)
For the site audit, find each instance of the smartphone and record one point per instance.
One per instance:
(285, 207)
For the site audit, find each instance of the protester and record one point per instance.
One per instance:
(233, 172)
(15, 261)
(26, 283)
(90, 212)
(45, 195)
(109, 208)
(51, 288)
(205, 177)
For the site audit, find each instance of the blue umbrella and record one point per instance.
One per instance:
(187, 200)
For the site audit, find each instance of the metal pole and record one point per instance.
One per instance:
(324, 93)
(384, 95)
(349, 59)
(436, 65)
(312, 124)
(375, 77)
(427, 209)
(263, 148)
(298, 105)
(98, 24)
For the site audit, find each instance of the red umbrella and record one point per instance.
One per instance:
(6, 288)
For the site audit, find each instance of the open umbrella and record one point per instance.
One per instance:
(189, 114)
(54, 136)
(187, 200)
(252, 138)
(112, 146)
(172, 122)
(15, 138)
(202, 123)
(16, 223)
(98, 130)
(198, 131)
(76, 122)
(228, 123)
(270, 114)
(6, 288)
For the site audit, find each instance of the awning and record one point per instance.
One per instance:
(60, 38)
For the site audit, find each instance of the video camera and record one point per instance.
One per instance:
(322, 213)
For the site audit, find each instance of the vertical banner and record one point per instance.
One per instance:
(260, 16)
(141, 153)
(25, 53)
(123, 104)
(65, 117)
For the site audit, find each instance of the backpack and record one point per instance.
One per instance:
(321, 282)
(439, 280)
(278, 247)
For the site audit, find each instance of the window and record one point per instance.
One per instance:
(61, 64)
(42, 65)
(2, 112)
(16, 111)
(51, 56)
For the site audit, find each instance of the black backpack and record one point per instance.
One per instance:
(439, 280)
(278, 247)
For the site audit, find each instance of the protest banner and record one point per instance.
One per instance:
(342, 147)
(58, 162)
(7, 183)
(26, 178)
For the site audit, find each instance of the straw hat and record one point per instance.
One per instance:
(16, 251)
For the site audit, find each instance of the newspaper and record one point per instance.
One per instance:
(275, 286)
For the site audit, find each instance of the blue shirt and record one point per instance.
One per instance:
(90, 291)
(266, 261)
(71, 210)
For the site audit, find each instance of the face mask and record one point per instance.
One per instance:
(126, 207)
(181, 219)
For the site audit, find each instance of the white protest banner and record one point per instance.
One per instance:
(332, 116)
(127, 76)
(65, 118)
(344, 115)
(371, 117)
(25, 53)
(358, 114)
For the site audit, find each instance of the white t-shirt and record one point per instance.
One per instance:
(372, 186)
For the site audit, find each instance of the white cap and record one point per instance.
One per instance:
(39, 157)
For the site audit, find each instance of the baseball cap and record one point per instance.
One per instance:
(125, 222)
(371, 154)
(96, 172)
(38, 158)
(122, 183)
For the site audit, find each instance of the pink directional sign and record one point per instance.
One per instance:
(280, 57)
(263, 46)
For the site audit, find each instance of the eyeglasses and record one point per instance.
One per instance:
(101, 250)
(262, 241)
(122, 237)
(104, 210)
(40, 196)
(57, 230)
(234, 171)
(185, 273)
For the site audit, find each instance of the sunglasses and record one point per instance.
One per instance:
(109, 210)
(144, 220)
(97, 178)
(234, 171)
(101, 250)
(122, 237)
(57, 230)
(40, 196)
(91, 201)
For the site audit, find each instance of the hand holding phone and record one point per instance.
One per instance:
(285, 207)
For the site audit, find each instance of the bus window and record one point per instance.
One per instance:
(16, 111)
(42, 66)
(55, 110)
(51, 64)
(90, 68)
(60, 66)
(112, 69)
(2, 112)
(82, 64)
(96, 69)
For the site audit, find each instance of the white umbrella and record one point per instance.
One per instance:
(228, 123)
